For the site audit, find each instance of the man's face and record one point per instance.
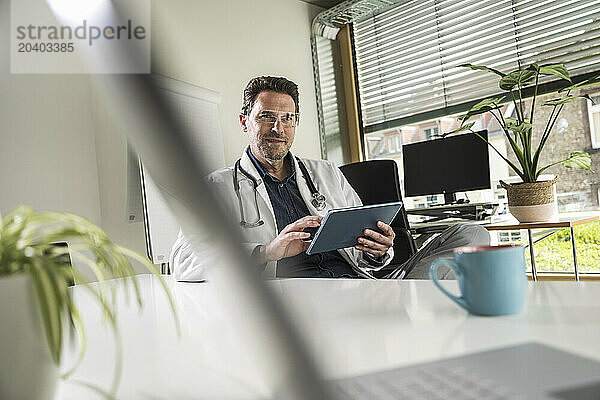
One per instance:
(270, 141)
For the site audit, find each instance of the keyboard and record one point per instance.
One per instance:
(529, 371)
(427, 383)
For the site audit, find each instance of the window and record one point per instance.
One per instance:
(509, 237)
(594, 115)
(576, 190)
(407, 57)
(393, 143)
(409, 82)
(431, 132)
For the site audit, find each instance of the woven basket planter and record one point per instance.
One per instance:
(531, 201)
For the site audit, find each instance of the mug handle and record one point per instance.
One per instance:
(433, 275)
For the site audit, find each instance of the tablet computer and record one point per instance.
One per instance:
(341, 227)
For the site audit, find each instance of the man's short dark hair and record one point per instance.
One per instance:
(268, 84)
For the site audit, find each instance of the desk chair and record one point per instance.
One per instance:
(375, 182)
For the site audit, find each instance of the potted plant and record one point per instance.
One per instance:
(530, 200)
(36, 307)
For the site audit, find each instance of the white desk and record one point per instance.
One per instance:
(353, 326)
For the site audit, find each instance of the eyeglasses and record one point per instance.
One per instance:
(269, 117)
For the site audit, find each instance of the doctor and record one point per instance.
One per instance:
(278, 196)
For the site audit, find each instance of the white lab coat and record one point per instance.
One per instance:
(329, 180)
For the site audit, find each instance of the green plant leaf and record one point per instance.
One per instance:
(509, 81)
(513, 125)
(579, 160)
(582, 84)
(517, 78)
(482, 107)
(558, 70)
(79, 330)
(27, 247)
(524, 127)
(565, 100)
(462, 128)
(492, 102)
(482, 68)
(51, 308)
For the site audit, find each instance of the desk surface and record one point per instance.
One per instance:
(563, 221)
(352, 326)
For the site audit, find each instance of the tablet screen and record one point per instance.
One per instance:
(342, 227)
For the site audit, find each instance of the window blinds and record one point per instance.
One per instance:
(331, 110)
(407, 56)
(327, 81)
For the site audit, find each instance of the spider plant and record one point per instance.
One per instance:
(28, 247)
(519, 130)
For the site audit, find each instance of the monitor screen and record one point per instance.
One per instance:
(453, 164)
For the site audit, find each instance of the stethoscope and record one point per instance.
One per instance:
(318, 200)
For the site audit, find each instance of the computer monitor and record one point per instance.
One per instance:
(452, 164)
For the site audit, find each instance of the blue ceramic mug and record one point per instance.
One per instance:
(492, 279)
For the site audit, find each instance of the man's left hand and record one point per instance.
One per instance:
(374, 243)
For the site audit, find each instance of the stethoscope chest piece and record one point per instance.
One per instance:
(318, 201)
(252, 224)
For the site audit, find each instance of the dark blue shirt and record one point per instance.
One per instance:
(288, 207)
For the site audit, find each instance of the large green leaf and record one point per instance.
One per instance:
(517, 78)
(527, 76)
(462, 128)
(482, 68)
(582, 84)
(579, 160)
(509, 81)
(472, 113)
(565, 100)
(558, 70)
(520, 129)
(492, 102)
(482, 107)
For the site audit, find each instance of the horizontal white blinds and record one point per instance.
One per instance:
(327, 82)
(407, 56)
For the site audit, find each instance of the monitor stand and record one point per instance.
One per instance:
(449, 198)
(458, 209)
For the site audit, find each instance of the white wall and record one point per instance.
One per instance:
(61, 150)
(221, 45)
(47, 152)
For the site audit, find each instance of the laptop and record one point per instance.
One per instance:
(529, 371)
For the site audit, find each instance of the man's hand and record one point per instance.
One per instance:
(291, 239)
(376, 244)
